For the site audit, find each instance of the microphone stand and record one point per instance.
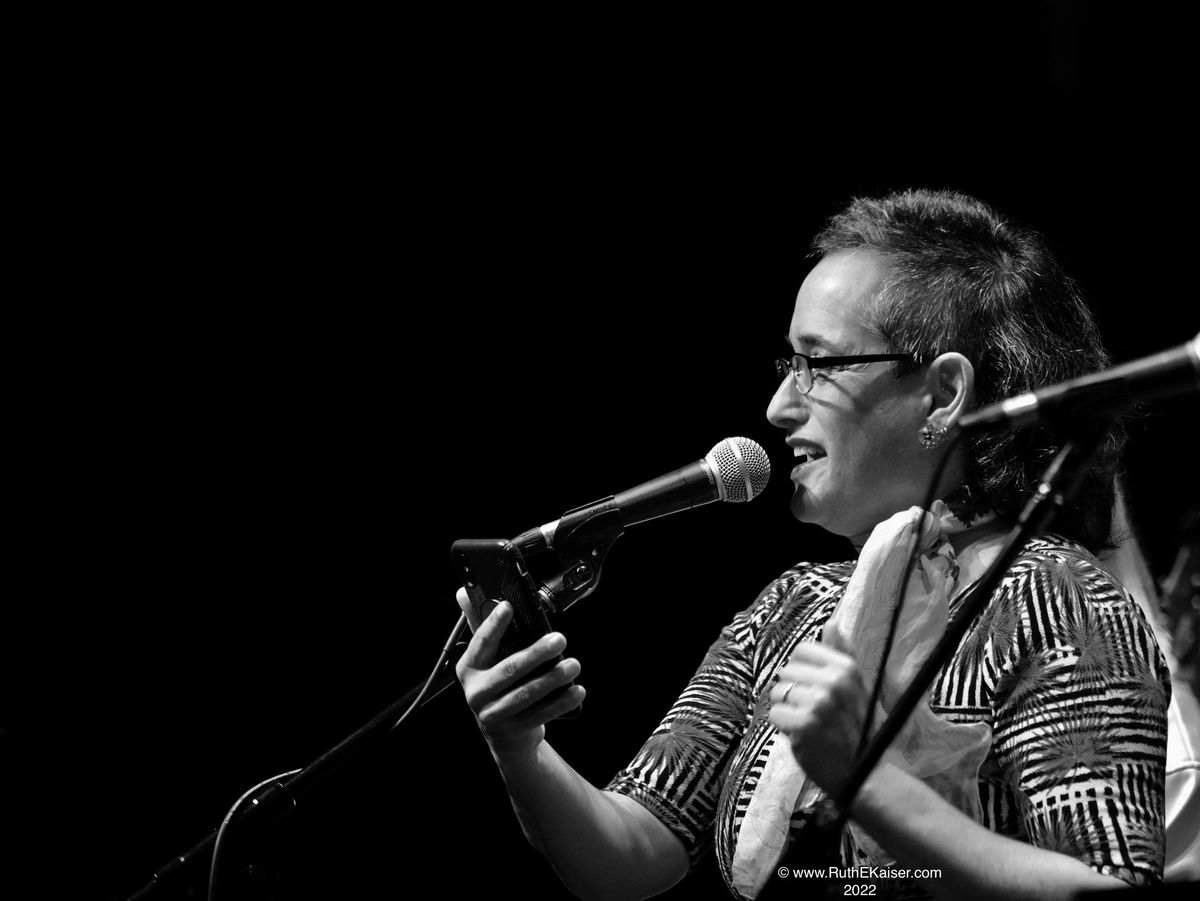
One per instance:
(581, 545)
(816, 844)
(273, 803)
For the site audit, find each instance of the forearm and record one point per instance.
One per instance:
(602, 845)
(923, 831)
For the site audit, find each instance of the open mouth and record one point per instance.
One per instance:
(806, 460)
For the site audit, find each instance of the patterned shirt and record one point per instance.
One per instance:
(1060, 664)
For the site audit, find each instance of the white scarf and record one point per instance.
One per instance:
(945, 755)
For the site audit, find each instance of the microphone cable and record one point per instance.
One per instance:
(455, 635)
(843, 812)
(239, 804)
(223, 831)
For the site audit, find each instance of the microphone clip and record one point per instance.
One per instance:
(581, 541)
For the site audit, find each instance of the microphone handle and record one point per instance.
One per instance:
(1161, 375)
(692, 486)
(1158, 375)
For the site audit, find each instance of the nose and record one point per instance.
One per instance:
(787, 408)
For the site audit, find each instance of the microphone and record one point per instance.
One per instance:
(735, 470)
(1163, 374)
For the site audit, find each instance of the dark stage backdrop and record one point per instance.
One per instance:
(376, 329)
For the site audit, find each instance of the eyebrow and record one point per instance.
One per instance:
(815, 342)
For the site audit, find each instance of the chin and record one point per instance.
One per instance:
(807, 513)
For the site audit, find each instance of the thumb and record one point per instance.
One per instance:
(465, 605)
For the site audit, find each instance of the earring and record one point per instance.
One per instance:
(932, 436)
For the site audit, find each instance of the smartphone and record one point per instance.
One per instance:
(493, 570)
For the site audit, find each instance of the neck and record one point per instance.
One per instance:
(985, 532)
(958, 540)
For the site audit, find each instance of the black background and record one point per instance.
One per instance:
(355, 301)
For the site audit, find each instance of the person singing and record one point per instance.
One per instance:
(1036, 769)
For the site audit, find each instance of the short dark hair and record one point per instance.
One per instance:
(960, 277)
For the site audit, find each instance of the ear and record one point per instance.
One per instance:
(950, 384)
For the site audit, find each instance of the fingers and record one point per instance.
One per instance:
(514, 697)
(819, 702)
(552, 707)
(816, 684)
(486, 681)
(818, 654)
(794, 679)
(796, 682)
(796, 720)
(535, 701)
(513, 682)
(481, 651)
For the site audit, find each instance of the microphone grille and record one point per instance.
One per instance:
(742, 467)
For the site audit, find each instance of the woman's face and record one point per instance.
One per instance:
(861, 424)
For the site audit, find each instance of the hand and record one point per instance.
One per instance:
(510, 707)
(820, 703)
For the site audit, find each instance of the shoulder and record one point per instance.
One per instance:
(1061, 574)
(803, 584)
(1070, 607)
(800, 591)
(1052, 552)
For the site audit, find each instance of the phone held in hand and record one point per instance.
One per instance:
(492, 570)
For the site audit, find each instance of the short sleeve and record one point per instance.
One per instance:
(678, 772)
(1079, 718)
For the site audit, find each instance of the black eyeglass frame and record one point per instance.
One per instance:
(785, 365)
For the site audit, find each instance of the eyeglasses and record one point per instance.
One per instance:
(802, 365)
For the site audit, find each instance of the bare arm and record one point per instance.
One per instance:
(924, 831)
(602, 845)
